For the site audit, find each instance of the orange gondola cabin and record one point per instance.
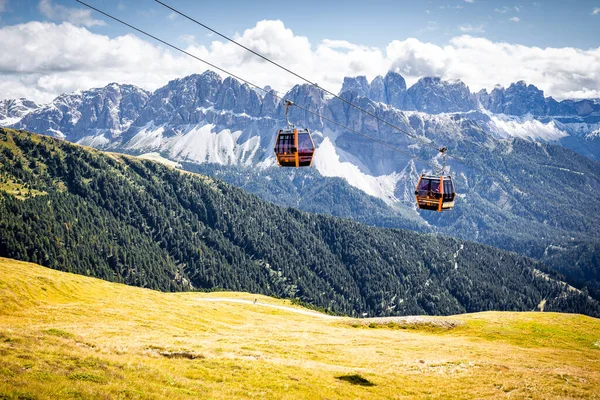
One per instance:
(294, 147)
(435, 193)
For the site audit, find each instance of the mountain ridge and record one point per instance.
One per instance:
(430, 95)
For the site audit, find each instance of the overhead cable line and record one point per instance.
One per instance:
(415, 137)
(295, 74)
(272, 93)
(269, 92)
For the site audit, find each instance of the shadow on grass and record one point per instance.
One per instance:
(355, 380)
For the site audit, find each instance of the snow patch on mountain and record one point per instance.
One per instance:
(198, 144)
(407, 181)
(12, 111)
(9, 121)
(98, 141)
(328, 163)
(149, 137)
(526, 127)
(267, 163)
(212, 109)
(593, 134)
(442, 122)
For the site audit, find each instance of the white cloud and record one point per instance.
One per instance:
(42, 60)
(502, 10)
(514, 19)
(77, 16)
(172, 16)
(471, 28)
(481, 63)
(596, 11)
(560, 72)
(470, 1)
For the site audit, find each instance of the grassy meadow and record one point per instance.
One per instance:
(74, 337)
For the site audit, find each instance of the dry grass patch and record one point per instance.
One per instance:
(68, 336)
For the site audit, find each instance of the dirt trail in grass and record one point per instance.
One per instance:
(402, 320)
(258, 303)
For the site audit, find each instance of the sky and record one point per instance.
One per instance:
(49, 47)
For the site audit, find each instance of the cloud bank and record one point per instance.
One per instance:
(43, 60)
(57, 12)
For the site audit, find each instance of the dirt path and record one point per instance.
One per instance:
(258, 303)
(404, 320)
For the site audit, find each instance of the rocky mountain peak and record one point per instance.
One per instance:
(389, 89)
(181, 101)
(240, 98)
(377, 90)
(429, 94)
(112, 108)
(433, 95)
(12, 110)
(394, 81)
(519, 99)
(358, 85)
(395, 89)
(309, 97)
(269, 102)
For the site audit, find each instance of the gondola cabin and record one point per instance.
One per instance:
(294, 148)
(435, 193)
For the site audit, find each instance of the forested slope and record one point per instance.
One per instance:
(536, 203)
(141, 223)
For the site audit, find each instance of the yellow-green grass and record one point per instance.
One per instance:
(69, 336)
(18, 190)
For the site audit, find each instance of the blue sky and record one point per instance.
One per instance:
(54, 46)
(563, 23)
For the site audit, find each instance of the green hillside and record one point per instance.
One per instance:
(69, 336)
(138, 222)
(541, 208)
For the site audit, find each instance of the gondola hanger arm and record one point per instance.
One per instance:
(288, 104)
(444, 151)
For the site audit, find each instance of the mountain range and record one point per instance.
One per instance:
(528, 181)
(129, 117)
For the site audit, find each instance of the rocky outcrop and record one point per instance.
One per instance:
(12, 111)
(435, 96)
(111, 109)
